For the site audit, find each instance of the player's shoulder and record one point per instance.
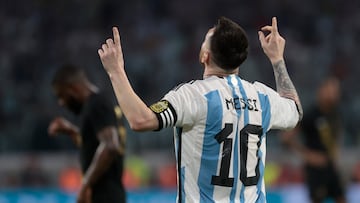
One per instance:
(185, 85)
(100, 99)
(258, 84)
(263, 88)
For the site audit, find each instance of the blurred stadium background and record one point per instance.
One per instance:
(161, 40)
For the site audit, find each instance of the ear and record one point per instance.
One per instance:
(205, 57)
(74, 89)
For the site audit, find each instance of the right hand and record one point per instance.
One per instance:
(273, 44)
(111, 54)
(60, 125)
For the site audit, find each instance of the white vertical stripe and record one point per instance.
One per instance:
(255, 117)
(167, 117)
(171, 117)
(163, 120)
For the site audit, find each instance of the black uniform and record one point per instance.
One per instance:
(321, 134)
(97, 113)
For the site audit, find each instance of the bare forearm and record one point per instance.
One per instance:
(139, 116)
(100, 163)
(285, 86)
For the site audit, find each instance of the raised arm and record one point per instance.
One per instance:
(273, 45)
(139, 116)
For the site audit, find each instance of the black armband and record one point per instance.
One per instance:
(165, 114)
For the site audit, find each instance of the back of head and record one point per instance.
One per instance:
(68, 74)
(329, 92)
(229, 44)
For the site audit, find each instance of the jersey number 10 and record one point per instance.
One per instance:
(223, 178)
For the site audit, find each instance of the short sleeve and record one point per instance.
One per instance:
(284, 113)
(102, 114)
(177, 108)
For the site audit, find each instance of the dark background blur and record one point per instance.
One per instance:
(161, 40)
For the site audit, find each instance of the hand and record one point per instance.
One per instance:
(111, 54)
(84, 195)
(273, 44)
(61, 125)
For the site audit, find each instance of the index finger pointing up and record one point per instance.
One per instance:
(116, 35)
(274, 25)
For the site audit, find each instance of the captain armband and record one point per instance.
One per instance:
(165, 114)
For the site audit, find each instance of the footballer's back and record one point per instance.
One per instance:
(220, 138)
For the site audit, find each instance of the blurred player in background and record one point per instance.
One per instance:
(100, 137)
(321, 129)
(222, 120)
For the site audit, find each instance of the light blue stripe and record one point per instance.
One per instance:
(246, 121)
(244, 96)
(261, 195)
(266, 115)
(236, 146)
(182, 179)
(211, 148)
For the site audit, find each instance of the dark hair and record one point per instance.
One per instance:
(68, 74)
(228, 44)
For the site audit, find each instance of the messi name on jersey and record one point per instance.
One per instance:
(241, 103)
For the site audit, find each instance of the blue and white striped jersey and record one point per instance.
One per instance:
(220, 136)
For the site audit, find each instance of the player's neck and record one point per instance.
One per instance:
(217, 71)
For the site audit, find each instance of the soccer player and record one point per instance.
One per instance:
(321, 130)
(101, 136)
(220, 121)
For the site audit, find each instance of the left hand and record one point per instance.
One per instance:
(273, 44)
(111, 54)
(84, 195)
